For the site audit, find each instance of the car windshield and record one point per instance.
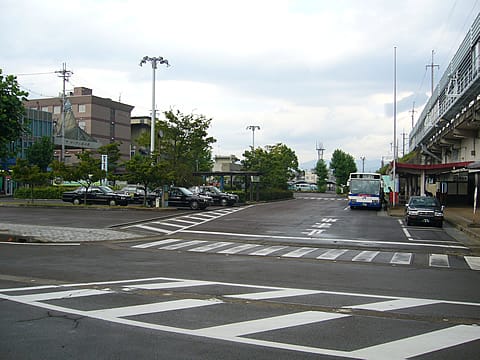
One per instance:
(213, 189)
(185, 191)
(424, 202)
(365, 187)
(105, 189)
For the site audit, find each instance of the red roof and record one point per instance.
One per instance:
(454, 165)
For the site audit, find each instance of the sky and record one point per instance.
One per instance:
(310, 74)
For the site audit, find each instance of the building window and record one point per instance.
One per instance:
(57, 109)
(81, 125)
(45, 108)
(82, 108)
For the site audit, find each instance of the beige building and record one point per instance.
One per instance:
(103, 119)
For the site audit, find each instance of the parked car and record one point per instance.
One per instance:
(303, 187)
(136, 195)
(424, 210)
(95, 195)
(182, 197)
(218, 197)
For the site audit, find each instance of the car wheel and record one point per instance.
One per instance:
(76, 201)
(112, 203)
(224, 202)
(409, 222)
(194, 205)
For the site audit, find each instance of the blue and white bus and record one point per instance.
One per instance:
(365, 190)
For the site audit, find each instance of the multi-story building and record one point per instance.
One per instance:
(103, 119)
(445, 141)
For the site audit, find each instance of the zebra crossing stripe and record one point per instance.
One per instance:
(299, 252)
(394, 304)
(61, 295)
(274, 294)
(155, 243)
(438, 260)
(182, 245)
(211, 246)
(152, 308)
(473, 262)
(151, 228)
(237, 249)
(400, 258)
(267, 251)
(269, 324)
(366, 256)
(332, 254)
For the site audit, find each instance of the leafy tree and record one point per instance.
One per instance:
(322, 173)
(28, 174)
(87, 171)
(11, 112)
(278, 164)
(41, 153)
(143, 170)
(185, 145)
(342, 164)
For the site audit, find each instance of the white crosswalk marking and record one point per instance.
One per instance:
(400, 258)
(237, 249)
(155, 243)
(473, 262)
(268, 250)
(269, 324)
(151, 308)
(366, 256)
(61, 295)
(299, 252)
(151, 228)
(211, 246)
(332, 254)
(394, 304)
(183, 245)
(438, 260)
(274, 294)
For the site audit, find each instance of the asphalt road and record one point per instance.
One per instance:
(190, 296)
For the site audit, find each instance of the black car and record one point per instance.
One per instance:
(182, 197)
(424, 210)
(219, 197)
(95, 195)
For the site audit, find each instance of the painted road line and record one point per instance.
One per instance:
(401, 258)
(269, 324)
(366, 256)
(299, 252)
(267, 251)
(61, 295)
(274, 294)
(152, 308)
(394, 304)
(438, 260)
(151, 228)
(155, 243)
(421, 344)
(182, 245)
(196, 218)
(237, 249)
(168, 224)
(185, 221)
(211, 246)
(169, 285)
(332, 254)
(473, 262)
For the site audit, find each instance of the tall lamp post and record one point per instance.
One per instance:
(253, 128)
(363, 163)
(154, 61)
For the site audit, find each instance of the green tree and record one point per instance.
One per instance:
(41, 153)
(29, 175)
(12, 112)
(143, 170)
(87, 171)
(185, 146)
(278, 164)
(342, 164)
(322, 173)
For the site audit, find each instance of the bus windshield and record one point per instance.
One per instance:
(371, 187)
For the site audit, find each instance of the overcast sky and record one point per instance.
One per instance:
(305, 72)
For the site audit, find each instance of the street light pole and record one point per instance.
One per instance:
(363, 163)
(154, 61)
(253, 128)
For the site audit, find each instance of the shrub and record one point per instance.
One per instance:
(44, 192)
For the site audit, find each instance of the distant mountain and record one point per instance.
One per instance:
(369, 165)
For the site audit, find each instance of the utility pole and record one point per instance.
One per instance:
(394, 123)
(65, 75)
(363, 163)
(432, 65)
(413, 113)
(154, 61)
(320, 149)
(253, 128)
(403, 143)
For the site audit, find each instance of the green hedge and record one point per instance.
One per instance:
(44, 192)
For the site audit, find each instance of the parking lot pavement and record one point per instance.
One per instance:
(33, 234)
